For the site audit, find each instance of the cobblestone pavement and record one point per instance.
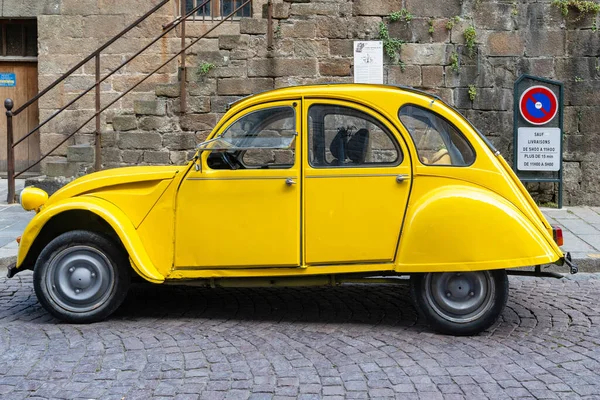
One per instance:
(355, 341)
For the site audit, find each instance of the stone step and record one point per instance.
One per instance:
(62, 168)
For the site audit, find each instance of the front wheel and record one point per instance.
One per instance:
(460, 303)
(81, 277)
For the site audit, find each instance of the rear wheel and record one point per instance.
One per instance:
(460, 303)
(81, 277)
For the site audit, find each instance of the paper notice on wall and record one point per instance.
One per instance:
(368, 61)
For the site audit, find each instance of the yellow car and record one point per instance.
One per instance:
(310, 185)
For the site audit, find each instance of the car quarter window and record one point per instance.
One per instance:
(437, 141)
(259, 139)
(343, 136)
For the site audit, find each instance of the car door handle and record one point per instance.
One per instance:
(290, 182)
(402, 177)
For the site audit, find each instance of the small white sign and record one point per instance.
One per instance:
(538, 149)
(368, 61)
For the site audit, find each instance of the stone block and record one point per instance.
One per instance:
(253, 26)
(281, 10)
(506, 44)
(132, 156)
(140, 140)
(410, 76)
(124, 123)
(381, 8)
(153, 123)
(341, 47)
(491, 123)
(415, 31)
(332, 28)
(583, 43)
(230, 42)
(58, 27)
(167, 90)
(545, 43)
(335, 67)
(78, 7)
(446, 8)
(205, 87)
(111, 155)
(495, 16)
(493, 99)
(109, 139)
(21, 9)
(81, 153)
(61, 168)
(244, 86)
(311, 48)
(150, 107)
(179, 141)
(572, 172)
(432, 76)
(273, 67)
(425, 54)
(102, 26)
(364, 27)
(179, 157)
(220, 104)
(537, 66)
(157, 157)
(198, 122)
(298, 29)
(313, 8)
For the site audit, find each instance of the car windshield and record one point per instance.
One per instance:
(249, 131)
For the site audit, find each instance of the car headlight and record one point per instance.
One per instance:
(32, 198)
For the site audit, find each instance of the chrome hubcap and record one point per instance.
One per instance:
(80, 278)
(460, 297)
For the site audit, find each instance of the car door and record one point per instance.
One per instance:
(242, 207)
(357, 179)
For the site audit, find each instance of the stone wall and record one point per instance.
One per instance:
(313, 44)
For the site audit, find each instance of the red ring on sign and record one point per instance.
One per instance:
(538, 105)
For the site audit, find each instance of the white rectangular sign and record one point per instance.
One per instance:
(368, 61)
(538, 149)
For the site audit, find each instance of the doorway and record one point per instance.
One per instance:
(19, 82)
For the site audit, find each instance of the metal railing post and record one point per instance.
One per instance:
(270, 25)
(98, 163)
(183, 74)
(10, 156)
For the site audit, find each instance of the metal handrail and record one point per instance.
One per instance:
(88, 58)
(96, 54)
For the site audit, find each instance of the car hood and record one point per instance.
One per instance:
(118, 176)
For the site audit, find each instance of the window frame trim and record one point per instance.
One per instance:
(449, 123)
(323, 102)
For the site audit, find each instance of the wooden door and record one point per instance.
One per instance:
(25, 87)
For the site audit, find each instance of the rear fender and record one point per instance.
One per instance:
(462, 227)
(112, 215)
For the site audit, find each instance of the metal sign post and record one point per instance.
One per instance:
(538, 131)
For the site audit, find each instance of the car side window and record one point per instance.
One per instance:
(345, 137)
(437, 141)
(260, 139)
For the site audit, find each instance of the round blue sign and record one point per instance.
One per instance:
(538, 105)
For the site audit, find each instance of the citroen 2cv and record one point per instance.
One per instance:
(310, 185)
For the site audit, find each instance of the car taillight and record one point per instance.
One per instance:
(19, 240)
(558, 236)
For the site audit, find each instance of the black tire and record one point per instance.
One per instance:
(460, 303)
(81, 277)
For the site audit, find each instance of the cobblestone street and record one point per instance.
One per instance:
(356, 341)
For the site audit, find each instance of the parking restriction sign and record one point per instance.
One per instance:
(538, 105)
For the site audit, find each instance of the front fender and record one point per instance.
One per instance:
(462, 227)
(119, 222)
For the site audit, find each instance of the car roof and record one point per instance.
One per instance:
(314, 89)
